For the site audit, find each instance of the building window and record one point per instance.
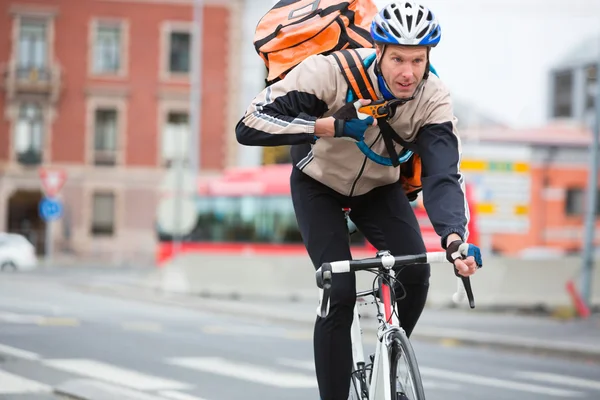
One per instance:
(179, 52)
(175, 138)
(28, 142)
(33, 48)
(107, 48)
(563, 94)
(105, 136)
(574, 203)
(103, 214)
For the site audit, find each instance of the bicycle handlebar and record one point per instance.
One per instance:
(324, 274)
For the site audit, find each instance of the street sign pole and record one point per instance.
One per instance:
(590, 220)
(48, 243)
(50, 207)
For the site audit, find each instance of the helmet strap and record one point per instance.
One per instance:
(426, 74)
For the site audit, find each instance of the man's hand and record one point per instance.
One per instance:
(467, 266)
(351, 124)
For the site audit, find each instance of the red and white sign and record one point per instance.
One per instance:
(52, 180)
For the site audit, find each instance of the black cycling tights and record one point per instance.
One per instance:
(387, 220)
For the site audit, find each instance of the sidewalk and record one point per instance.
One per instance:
(573, 338)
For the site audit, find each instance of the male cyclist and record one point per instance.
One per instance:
(309, 107)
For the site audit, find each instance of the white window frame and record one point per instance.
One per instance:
(123, 26)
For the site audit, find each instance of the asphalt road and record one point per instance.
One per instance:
(52, 335)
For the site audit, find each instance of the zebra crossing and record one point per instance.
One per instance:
(283, 373)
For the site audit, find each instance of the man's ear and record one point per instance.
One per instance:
(379, 51)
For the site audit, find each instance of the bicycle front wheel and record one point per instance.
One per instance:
(405, 377)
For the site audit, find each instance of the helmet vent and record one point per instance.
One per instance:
(386, 14)
(407, 5)
(419, 16)
(398, 16)
(394, 31)
(409, 19)
(422, 33)
(429, 16)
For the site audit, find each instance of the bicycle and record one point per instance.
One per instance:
(380, 379)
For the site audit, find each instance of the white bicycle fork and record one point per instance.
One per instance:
(379, 385)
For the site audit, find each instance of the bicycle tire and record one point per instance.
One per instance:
(399, 346)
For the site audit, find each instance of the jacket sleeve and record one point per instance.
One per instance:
(444, 197)
(285, 112)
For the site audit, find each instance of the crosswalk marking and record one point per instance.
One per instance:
(178, 395)
(429, 385)
(120, 376)
(13, 351)
(249, 372)
(310, 366)
(14, 318)
(494, 382)
(93, 389)
(14, 384)
(560, 379)
(288, 362)
(142, 326)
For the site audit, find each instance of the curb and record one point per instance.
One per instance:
(561, 349)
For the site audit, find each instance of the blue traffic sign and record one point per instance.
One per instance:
(50, 209)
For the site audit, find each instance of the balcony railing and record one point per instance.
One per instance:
(30, 157)
(19, 79)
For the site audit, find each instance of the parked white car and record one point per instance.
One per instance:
(16, 253)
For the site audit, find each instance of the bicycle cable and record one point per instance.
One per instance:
(392, 290)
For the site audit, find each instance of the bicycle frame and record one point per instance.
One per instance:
(379, 384)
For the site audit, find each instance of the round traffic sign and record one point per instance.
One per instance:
(50, 209)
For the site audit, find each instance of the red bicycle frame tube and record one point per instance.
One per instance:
(387, 300)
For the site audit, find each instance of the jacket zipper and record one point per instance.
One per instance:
(362, 168)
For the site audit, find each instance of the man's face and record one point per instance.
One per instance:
(403, 68)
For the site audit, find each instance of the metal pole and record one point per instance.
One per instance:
(178, 196)
(590, 220)
(193, 146)
(195, 89)
(48, 243)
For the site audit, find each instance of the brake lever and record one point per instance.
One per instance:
(467, 284)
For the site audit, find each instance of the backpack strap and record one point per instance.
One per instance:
(355, 73)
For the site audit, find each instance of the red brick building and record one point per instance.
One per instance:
(99, 88)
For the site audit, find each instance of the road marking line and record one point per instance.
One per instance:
(112, 374)
(178, 395)
(13, 351)
(249, 372)
(435, 385)
(14, 384)
(14, 318)
(288, 362)
(473, 379)
(58, 321)
(559, 379)
(94, 389)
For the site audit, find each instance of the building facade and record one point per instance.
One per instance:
(100, 89)
(529, 187)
